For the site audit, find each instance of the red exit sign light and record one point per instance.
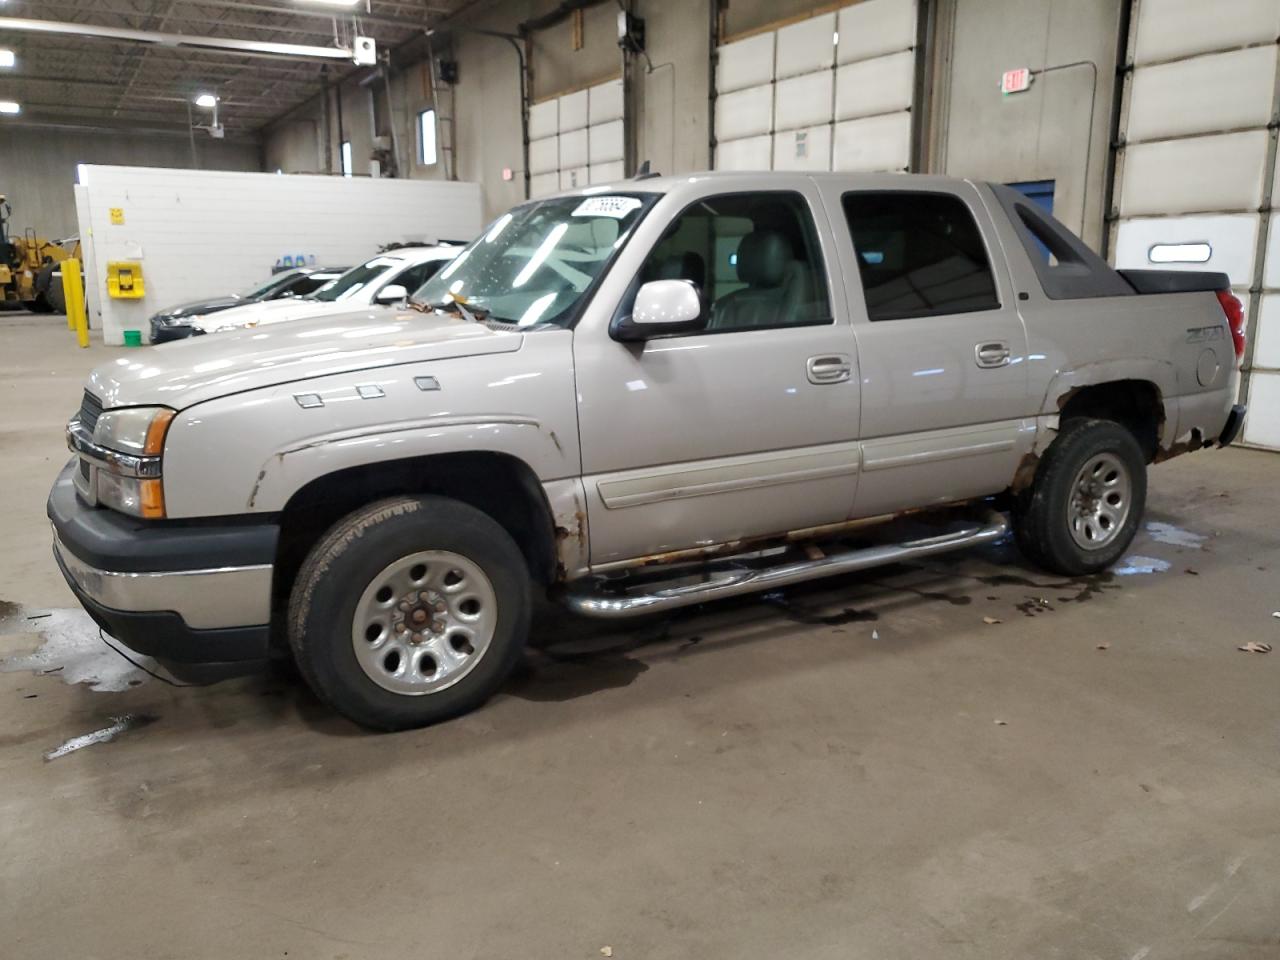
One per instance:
(1015, 81)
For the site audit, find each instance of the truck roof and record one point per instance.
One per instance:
(759, 179)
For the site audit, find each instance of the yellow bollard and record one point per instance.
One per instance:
(73, 290)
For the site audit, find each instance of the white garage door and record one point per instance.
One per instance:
(576, 139)
(832, 92)
(1196, 177)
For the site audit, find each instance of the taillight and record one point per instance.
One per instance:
(1234, 309)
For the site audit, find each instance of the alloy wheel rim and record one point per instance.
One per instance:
(1100, 500)
(424, 622)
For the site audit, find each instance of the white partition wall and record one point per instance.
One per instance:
(577, 139)
(204, 233)
(1196, 179)
(830, 92)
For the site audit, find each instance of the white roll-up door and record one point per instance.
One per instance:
(830, 92)
(577, 139)
(1196, 176)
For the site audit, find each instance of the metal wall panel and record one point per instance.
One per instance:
(752, 153)
(606, 142)
(745, 63)
(873, 143)
(542, 184)
(1224, 91)
(1262, 424)
(1232, 241)
(1271, 276)
(1177, 28)
(573, 148)
(544, 155)
(606, 172)
(1266, 352)
(874, 28)
(1196, 174)
(879, 85)
(744, 113)
(605, 102)
(808, 149)
(803, 101)
(544, 119)
(573, 111)
(805, 47)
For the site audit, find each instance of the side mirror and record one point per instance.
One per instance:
(662, 308)
(391, 293)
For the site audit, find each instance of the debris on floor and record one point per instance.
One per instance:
(990, 620)
(1001, 723)
(130, 721)
(1104, 645)
(606, 951)
(1254, 647)
(71, 648)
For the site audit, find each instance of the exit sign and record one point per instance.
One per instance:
(1016, 81)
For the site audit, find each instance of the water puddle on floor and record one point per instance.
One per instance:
(1174, 536)
(70, 649)
(1135, 565)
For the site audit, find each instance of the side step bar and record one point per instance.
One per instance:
(591, 602)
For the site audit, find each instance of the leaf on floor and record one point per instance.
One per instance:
(1002, 723)
(1104, 645)
(991, 620)
(1255, 647)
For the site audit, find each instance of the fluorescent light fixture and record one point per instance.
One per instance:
(10, 107)
(7, 59)
(331, 3)
(206, 100)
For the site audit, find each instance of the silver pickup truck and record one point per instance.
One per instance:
(635, 398)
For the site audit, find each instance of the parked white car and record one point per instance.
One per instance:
(384, 281)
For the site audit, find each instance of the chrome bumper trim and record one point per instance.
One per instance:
(205, 599)
(80, 442)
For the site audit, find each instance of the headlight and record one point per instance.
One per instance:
(136, 430)
(125, 448)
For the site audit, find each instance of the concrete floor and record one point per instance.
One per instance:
(862, 768)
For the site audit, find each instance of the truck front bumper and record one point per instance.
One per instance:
(196, 596)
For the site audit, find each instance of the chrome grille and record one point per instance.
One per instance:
(90, 410)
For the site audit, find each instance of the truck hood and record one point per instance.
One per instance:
(192, 371)
(211, 305)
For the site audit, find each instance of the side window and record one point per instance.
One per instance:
(919, 255)
(755, 257)
(417, 275)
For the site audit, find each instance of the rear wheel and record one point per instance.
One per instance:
(1086, 502)
(409, 612)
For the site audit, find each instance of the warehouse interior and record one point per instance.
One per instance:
(963, 754)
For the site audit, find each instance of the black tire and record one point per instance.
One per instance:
(346, 560)
(1042, 524)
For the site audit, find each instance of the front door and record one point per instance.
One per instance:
(743, 429)
(943, 351)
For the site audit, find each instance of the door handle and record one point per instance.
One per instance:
(830, 368)
(993, 353)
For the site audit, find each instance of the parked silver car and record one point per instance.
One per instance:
(635, 399)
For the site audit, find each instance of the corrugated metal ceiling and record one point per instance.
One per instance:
(98, 82)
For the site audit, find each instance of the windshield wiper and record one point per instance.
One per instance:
(473, 315)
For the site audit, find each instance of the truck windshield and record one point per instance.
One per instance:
(533, 265)
(356, 279)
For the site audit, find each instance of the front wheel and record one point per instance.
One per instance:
(409, 612)
(1086, 503)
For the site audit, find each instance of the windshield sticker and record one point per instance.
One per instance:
(616, 207)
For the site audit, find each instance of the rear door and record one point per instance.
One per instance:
(942, 349)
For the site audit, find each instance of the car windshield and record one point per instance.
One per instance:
(534, 264)
(356, 279)
(267, 286)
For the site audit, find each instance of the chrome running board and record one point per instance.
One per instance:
(653, 598)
